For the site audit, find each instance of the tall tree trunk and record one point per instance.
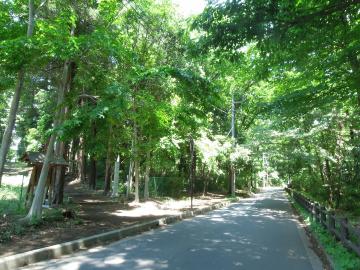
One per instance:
(147, 176)
(74, 144)
(182, 167)
(320, 167)
(355, 66)
(59, 175)
(192, 170)
(59, 185)
(136, 164)
(206, 181)
(92, 176)
(232, 179)
(115, 187)
(36, 206)
(58, 153)
(137, 179)
(93, 172)
(81, 161)
(328, 175)
(6, 139)
(108, 165)
(253, 179)
(130, 179)
(107, 183)
(60, 145)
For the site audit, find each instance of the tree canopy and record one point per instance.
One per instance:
(101, 82)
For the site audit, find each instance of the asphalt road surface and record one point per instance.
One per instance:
(258, 233)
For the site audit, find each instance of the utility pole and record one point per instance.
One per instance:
(233, 120)
(233, 174)
(192, 170)
(265, 166)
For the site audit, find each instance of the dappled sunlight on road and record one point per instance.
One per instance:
(256, 233)
(167, 208)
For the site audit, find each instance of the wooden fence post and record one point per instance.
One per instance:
(317, 208)
(323, 215)
(331, 222)
(309, 205)
(344, 231)
(312, 211)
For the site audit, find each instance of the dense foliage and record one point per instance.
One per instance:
(310, 63)
(129, 79)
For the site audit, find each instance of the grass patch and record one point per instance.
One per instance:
(342, 258)
(232, 198)
(12, 200)
(64, 217)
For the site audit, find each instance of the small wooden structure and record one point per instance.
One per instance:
(36, 160)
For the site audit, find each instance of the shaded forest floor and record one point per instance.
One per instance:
(94, 213)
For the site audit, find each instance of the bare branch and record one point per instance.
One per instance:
(40, 6)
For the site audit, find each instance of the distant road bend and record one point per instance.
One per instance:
(257, 233)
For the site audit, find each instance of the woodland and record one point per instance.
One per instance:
(247, 94)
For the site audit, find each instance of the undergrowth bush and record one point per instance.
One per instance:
(342, 258)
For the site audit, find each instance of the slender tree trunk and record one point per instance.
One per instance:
(253, 179)
(74, 144)
(206, 183)
(232, 179)
(204, 187)
(108, 165)
(81, 161)
(182, 167)
(356, 156)
(147, 176)
(36, 207)
(93, 172)
(60, 145)
(328, 175)
(355, 66)
(59, 186)
(130, 179)
(115, 187)
(59, 175)
(136, 164)
(92, 176)
(30, 188)
(320, 167)
(59, 183)
(192, 170)
(137, 179)
(6, 139)
(107, 183)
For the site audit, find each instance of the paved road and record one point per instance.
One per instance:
(258, 233)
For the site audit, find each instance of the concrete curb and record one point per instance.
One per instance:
(56, 251)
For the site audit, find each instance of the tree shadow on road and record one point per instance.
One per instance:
(253, 234)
